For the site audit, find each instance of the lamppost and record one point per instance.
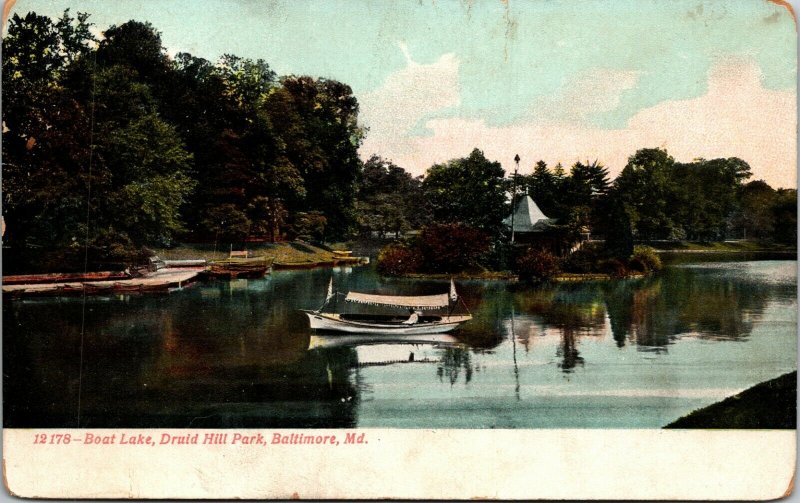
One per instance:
(514, 195)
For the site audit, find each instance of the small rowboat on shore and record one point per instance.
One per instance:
(254, 267)
(402, 315)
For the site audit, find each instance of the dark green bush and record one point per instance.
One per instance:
(585, 260)
(636, 265)
(646, 258)
(614, 267)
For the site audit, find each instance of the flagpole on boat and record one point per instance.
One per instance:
(328, 295)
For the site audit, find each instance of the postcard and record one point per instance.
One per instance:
(356, 249)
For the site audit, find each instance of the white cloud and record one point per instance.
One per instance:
(392, 111)
(589, 93)
(736, 117)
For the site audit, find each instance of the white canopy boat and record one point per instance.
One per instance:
(420, 320)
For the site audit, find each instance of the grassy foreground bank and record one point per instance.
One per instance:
(288, 252)
(719, 246)
(769, 405)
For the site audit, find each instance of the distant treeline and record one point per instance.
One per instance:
(653, 198)
(113, 143)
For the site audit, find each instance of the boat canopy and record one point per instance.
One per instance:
(412, 302)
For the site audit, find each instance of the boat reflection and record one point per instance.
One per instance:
(330, 341)
(370, 350)
(448, 353)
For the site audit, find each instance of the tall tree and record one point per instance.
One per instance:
(136, 46)
(389, 199)
(785, 210)
(46, 132)
(324, 148)
(755, 217)
(646, 188)
(150, 181)
(469, 190)
(542, 187)
(706, 195)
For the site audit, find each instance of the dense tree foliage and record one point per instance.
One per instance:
(150, 147)
(668, 200)
(112, 145)
(470, 191)
(389, 199)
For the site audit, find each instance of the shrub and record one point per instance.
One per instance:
(636, 265)
(645, 259)
(452, 247)
(585, 260)
(397, 259)
(537, 265)
(614, 267)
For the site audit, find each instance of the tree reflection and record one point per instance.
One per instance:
(568, 351)
(572, 310)
(454, 359)
(696, 301)
(647, 312)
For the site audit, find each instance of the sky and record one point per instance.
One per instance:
(557, 80)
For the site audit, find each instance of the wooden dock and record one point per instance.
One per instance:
(163, 280)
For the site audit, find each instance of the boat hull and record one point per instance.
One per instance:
(334, 323)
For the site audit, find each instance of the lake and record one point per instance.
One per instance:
(633, 353)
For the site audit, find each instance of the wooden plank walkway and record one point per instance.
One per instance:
(163, 279)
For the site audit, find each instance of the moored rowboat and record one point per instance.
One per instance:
(253, 267)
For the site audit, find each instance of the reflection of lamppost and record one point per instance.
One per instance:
(514, 195)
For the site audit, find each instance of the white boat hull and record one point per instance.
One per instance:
(361, 340)
(334, 323)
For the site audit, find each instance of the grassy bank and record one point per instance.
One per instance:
(769, 405)
(565, 277)
(291, 252)
(719, 246)
(483, 275)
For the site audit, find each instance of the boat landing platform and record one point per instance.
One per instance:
(163, 280)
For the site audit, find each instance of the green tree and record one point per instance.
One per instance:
(150, 181)
(389, 199)
(544, 190)
(785, 210)
(755, 218)
(706, 195)
(469, 190)
(322, 143)
(46, 132)
(136, 46)
(581, 193)
(614, 223)
(646, 189)
(586, 183)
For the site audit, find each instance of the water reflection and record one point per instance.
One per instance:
(239, 354)
(716, 301)
(448, 354)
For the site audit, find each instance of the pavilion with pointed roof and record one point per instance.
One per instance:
(528, 218)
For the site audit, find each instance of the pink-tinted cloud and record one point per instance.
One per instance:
(737, 116)
(408, 96)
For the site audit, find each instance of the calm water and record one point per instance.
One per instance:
(622, 354)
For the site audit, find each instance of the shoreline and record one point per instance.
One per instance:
(771, 405)
(731, 252)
